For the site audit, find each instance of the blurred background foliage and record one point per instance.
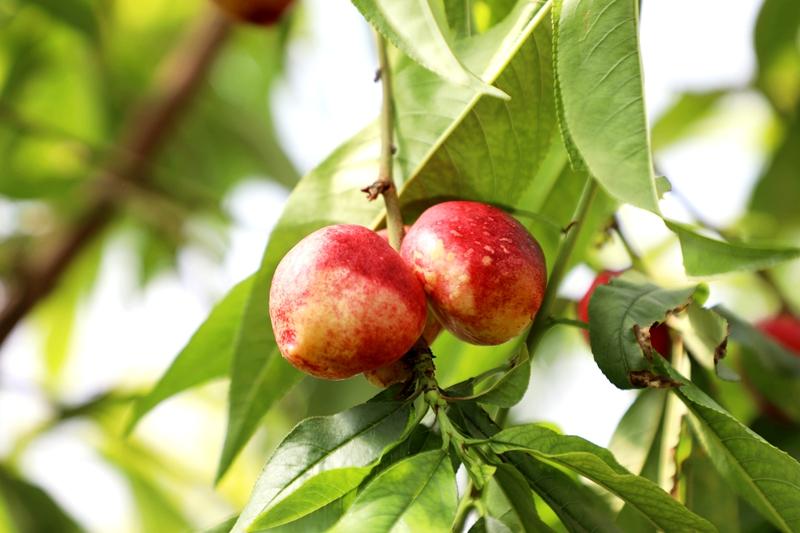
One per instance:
(76, 76)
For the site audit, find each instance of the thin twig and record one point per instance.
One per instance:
(384, 185)
(147, 128)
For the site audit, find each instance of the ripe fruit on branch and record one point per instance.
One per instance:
(659, 335)
(785, 329)
(483, 272)
(343, 302)
(263, 12)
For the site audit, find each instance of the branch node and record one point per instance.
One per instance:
(377, 188)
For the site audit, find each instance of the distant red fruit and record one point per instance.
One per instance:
(263, 12)
(659, 335)
(785, 329)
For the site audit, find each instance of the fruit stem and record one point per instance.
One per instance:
(542, 320)
(385, 183)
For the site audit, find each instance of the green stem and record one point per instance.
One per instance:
(466, 504)
(541, 322)
(569, 322)
(394, 217)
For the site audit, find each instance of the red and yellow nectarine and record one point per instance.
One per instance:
(343, 302)
(483, 272)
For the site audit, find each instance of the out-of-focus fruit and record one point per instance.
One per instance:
(785, 329)
(263, 12)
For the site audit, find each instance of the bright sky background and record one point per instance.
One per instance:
(128, 337)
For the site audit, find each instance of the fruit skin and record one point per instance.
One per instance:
(484, 274)
(263, 12)
(342, 302)
(400, 371)
(659, 335)
(785, 329)
(432, 326)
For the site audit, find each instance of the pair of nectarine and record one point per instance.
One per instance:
(343, 301)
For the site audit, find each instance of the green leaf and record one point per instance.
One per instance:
(704, 256)
(520, 499)
(772, 355)
(598, 465)
(775, 194)
(509, 389)
(417, 28)
(600, 88)
(777, 52)
(578, 507)
(223, 527)
(314, 494)
(416, 494)
(709, 495)
(30, 508)
(636, 432)
(320, 521)
(77, 14)
(616, 310)
(683, 117)
(704, 333)
(354, 439)
(206, 356)
(766, 477)
(488, 524)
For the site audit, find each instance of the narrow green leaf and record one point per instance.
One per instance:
(683, 117)
(616, 310)
(775, 195)
(600, 87)
(417, 27)
(598, 465)
(489, 524)
(636, 432)
(777, 53)
(416, 494)
(223, 527)
(316, 493)
(519, 496)
(709, 495)
(704, 256)
(206, 356)
(30, 508)
(320, 521)
(78, 15)
(766, 477)
(509, 388)
(355, 438)
(773, 356)
(579, 508)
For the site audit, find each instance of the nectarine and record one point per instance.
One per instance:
(343, 302)
(263, 12)
(785, 329)
(483, 272)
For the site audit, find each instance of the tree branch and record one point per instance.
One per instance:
(144, 133)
